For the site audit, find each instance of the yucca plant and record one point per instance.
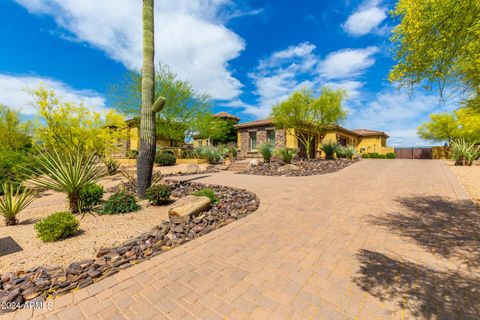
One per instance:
(112, 165)
(329, 149)
(464, 152)
(266, 150)
(68, 173)
(15, 199)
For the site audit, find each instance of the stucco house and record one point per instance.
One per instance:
(253, 133)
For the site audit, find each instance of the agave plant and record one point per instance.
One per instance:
(285, 154)
(14, 200)
(329, 149)
(68, 173)
(112, 165)
(464, 152)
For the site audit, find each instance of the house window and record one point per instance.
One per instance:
(271, 136)
(253, 140)
(342, 142)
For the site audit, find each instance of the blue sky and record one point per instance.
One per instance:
(247, 55)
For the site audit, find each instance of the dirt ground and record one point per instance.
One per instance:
(20, 248)
(470, 178)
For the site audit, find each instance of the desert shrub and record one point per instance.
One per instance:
(132, 154)
(131, 177)
(233, 152)
(91, 195)
(329, 149)
(112, 165)
(15, 199)
(381, 156)
(341, 152)
(68, 173)
(374, 155)
(209, 193)
(13, 165)
(120, 202)
(159, 194)
(266, 150)
(464, 152)
(188, 154)
(365, 155)
(286, 155)
(391, 155)
(165, 158)
(212, 154)
(57, 226)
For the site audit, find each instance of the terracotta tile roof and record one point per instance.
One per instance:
(367, 132)
(226, 115)
(255, 123)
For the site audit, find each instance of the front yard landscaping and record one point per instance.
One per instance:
(33, 270)
(469, 176)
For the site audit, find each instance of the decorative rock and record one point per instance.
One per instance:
(288, 167)
(253, 163)
(84, 283)
(193, 168)
(186, 207)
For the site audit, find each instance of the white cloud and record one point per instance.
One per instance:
(13, 93)
(366, 19)
(347, 63)
(189, 34)
(352, 87)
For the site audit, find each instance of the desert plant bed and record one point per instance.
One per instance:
(108, 244)
(299, 167)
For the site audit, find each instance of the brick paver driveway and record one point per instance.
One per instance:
(381, 239)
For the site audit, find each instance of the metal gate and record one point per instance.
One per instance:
(413, 153)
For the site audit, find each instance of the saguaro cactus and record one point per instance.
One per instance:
(147, 119)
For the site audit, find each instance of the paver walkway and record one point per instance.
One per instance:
(319, 247)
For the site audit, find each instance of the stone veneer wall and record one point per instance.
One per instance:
(245, 151)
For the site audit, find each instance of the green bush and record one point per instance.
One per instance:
(120, 202)
(329, 149)
(159, 194)
(391, 155)
(285, 154)
(266, 150)
(212, 154)
(12, 165)
(381, 156)
(57, 226)
(112, 165)
(165, 159)
(209, 193)
(365, 155)
(374, 155)
(91, 195)
(132, 154)
(345, 152)
(188, 154)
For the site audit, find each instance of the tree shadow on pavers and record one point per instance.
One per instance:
(450, 228)
(424, 292)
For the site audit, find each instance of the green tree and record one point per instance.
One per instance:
(184, 110)
(75, 128)
(305, 115)
(437, 43)
(14, 135)
(441, 127)
(219, 130)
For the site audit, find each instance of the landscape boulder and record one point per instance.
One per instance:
(185, 208)
(193, 168)
(253, 163)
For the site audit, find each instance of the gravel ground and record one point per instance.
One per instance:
(96, 232)
(470, 178)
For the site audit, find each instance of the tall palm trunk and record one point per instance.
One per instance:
(147, 120)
